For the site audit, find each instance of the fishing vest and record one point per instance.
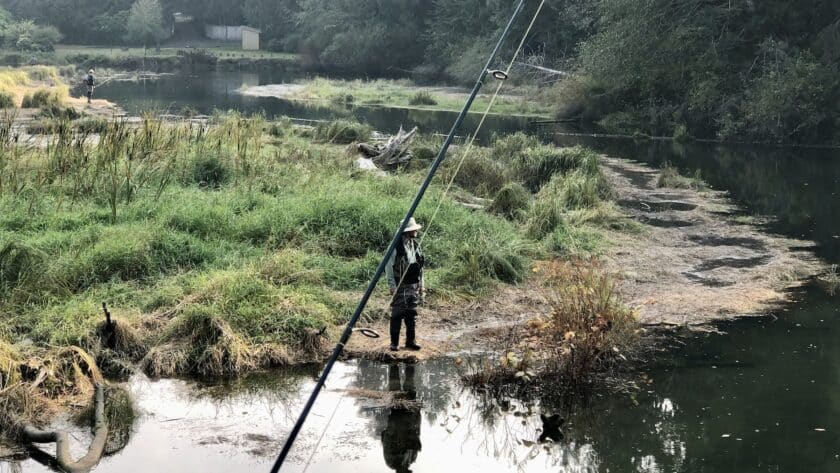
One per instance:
(413, 271)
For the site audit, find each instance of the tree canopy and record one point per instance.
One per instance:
(145, 23)
(750, 69)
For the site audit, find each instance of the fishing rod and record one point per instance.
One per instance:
(348, 330)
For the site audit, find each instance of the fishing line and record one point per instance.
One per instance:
(318, 443)
(501, 78)
(397, 238)
(481, 122)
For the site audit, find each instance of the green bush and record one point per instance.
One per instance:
(27, 36)
(343, 99)
(535, 166)
(573, 191)
(92, 125)
(342, 132)
(210, 171)
(511, 201)
(42, 98)
(681, 134)
(130, 252)
(20, 264)
(478, 173)
(476, 259)
(57, 112)
(6, 100)
(568, 240)
(422, 98)
(670, 176)
(506, 148)
(789, 101)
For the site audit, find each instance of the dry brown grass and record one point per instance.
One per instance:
(122, 338)
(585, 334)
(34, 387)
(20, 82)
(68, 373)
(204, 345)
(588, 331)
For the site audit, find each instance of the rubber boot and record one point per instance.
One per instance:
(410, 341)
(396, 322)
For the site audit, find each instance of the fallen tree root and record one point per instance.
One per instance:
(62, 439)
(392, 154)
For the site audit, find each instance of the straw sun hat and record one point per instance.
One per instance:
(412, 225)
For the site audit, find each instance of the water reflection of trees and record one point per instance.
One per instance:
(506, 427)
(277, 392)
(433, 385)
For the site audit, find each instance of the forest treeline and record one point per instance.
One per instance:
(763, 70)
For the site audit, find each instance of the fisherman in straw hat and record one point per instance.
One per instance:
(89, 83)
(405, 279)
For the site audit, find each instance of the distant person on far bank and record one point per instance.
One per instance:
(405, 280)
(90, 82)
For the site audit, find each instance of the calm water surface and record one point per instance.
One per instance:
(762, 397)
(208, 91)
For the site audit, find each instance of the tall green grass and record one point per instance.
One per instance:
(223, 247)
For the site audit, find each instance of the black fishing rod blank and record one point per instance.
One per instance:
(348, 330)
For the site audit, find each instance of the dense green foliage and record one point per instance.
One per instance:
(761, 70)
(729, 69)
(26, 35)
(145, 23)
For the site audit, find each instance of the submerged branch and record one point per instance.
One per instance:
(62, 439)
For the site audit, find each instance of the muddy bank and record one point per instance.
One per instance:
(454, 326)
(697, 260)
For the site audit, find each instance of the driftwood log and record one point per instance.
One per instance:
(62, 439)
(393, 153)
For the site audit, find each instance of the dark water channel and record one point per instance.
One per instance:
(764, 396)
(205, 92)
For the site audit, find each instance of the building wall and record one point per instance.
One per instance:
(223, 33)
(250, 40)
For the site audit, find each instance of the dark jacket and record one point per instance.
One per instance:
(406, 264)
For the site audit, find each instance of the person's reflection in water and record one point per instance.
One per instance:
(401, 437)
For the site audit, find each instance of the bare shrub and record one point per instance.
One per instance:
(588, 331)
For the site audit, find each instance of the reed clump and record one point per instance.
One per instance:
(422, 98)
(589, 332)
(670, 177)
(200, 344)
(585, 335)
(342, 132)
(512, 201)
(7, 100)
(43, 98)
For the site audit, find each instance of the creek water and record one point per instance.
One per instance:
(760, 396)
(205, 92)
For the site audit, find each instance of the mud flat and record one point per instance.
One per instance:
(696, 261)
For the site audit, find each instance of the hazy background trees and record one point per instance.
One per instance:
(736, 69)
(145, 23)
